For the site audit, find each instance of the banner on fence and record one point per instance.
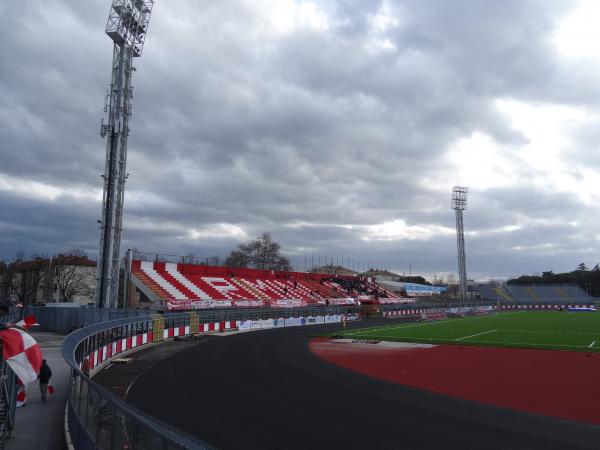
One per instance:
(333, 319)
(394, 301)
(179, 305)
(417, 290)
(206, 304)
(248, 303)
(292, 322)
(343, 301)
(289, 303)
(244, 324)
(266, 323)
(349, 317)
(279, 322)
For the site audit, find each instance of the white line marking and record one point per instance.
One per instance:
(423, 324)
(473, 335)
(513, 344)
(592, 344)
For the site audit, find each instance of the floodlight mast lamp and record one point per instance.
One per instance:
(127, 26)
(459, 204)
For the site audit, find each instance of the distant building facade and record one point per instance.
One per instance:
(64, 278)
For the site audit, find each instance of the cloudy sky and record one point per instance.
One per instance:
(340, 126)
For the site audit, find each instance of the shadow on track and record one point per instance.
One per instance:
(266, 390)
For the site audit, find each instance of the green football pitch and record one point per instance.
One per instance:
(543, 330)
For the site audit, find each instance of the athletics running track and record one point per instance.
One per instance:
(268, 390)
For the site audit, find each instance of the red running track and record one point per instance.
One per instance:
(554, 383)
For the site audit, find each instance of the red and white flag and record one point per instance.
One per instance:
(22, 353)
(29, 321)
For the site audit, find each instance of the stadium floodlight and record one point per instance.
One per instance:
(459, 204)
(127, 27)
(128, 23)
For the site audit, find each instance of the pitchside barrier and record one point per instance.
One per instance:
(98, 419)
(429, 313)
(440, 313)
(545, 306)
(66, 319)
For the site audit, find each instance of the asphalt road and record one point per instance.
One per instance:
(266, 390)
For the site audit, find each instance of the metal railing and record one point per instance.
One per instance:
(8, 400)
(98, 419)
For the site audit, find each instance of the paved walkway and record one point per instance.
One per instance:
(38, 425)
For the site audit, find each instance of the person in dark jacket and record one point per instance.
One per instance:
(44, 379)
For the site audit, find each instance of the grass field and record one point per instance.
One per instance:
(543, 330)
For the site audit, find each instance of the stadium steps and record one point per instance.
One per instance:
(169, 278)
(322, 290)
(149, 269)
(248, 287)
(390, 294)
(562, 294)
(213, 294)
(277, 289)
(148, 287)
(503, 294)
(268, 287)
(300, 292)
(194, 290)
(228, 289)
(533, 294)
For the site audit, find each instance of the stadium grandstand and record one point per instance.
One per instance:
(521, 293)
(179, 286)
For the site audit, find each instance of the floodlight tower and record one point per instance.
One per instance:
(459, 204)
(127, 26)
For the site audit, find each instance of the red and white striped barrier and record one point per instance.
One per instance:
(112, 349)
(403, 312)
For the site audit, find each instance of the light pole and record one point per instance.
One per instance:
(459, 204)
(127, 27)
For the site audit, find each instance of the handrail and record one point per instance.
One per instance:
(122, 413)
(97, 418)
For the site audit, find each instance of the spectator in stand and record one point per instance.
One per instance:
(285, 290)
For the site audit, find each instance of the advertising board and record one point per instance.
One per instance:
(266, 323)
(244, 324)
(279, 322)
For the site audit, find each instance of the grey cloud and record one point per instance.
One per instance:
(266, 131)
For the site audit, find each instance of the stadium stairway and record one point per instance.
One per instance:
(147, 287)
(195, 291)
(533, 294)
(152, 271)
(562, 294)
(503, 294)
(248, 287)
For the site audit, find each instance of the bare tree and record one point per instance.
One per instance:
(22, 279)
(451, 279)
(69, 278)
(70, 282)
(260, 253)
(213, 260)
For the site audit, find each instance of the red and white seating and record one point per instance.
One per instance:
(182, 283)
